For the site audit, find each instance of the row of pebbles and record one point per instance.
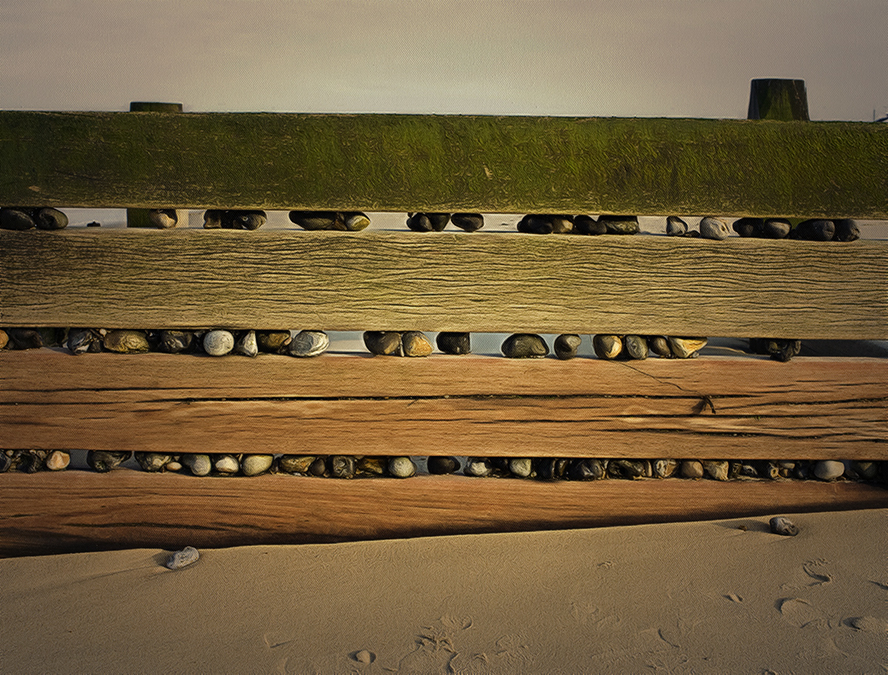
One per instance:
(531, 345)
(32, 461)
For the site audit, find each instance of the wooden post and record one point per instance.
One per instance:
(140, 217)
(773, 99)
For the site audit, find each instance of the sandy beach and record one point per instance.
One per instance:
(719, 596)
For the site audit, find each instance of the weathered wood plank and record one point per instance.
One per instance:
(726, 408)
(80, 511)
(463, 282)
(444, 163)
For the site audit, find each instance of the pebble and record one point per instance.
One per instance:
(383, 343)
(713, 228)
(126, 341)
(5, 462)
(213, 219)
(442, 465)
(566, 345)
(355, 221)
(659, 345)
(686, 348)
(749, 227)
(783, 526)
(247, 345)
(717, 469)
(829, 469)
(174, 465)
(584, 224)
(314, 220)
(343, 466)
(636, 347)
(561, 224)
(865, 470)
(50, 219)
(364, 656)
(436, 221)
(552, 468)
(247, 220)
(420, 222)
(296, 463)
(691, 468)
(4, 339)
(401, 467)
(163, 218)
(627, 468)
(16, 219)
(24, 338)
(587, 469)
(318, 467)
(415, 343)
(103, 461)
(272, 341)
(371, 466)
(187, 556)
(846, 230)
(175, 341)
(454, 343)
(525, 346)
(218, 342)
(253, 465)
(815, 229)
(607, 346)
(478, 466)
(226, 464)
(199, 465)
(665, 468)
(308, 343)
(521, 466)
(469, 222)
(57, 460)
(619, 224)
(152, 461)
(535, 224)
(676, 227)
(776, 228)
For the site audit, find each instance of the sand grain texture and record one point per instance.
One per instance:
(685, 597)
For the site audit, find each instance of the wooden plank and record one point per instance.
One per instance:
(81, 511)
(444, 281)
(444, 163)
(732, 409)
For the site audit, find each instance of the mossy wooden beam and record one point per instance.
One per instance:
(444, 163)
(442, 281)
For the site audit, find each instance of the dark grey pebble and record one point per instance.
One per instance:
(535, 224)
(104, 460)
(454, 343)
(815, 229)
(187, 556)
(469, 222)
(246, 220)
(343, 466)
(314, 220)
(383, 343)
(676, 227)
(525, 346)
(50, 219)
(713, 228)
(627, 468)
(566, 345)
(587, 469)
(619, 224)
(25, 338)
(84, 340)
(213, 219)
(442, 465)
(584, 224)
(308, 343)
(846, 230)
(776, 228)
(420, 222)
(636, 347)
(318, 467)
(864, 470)
(5, 462)
(175, 341)
(16, 219)
(552, 468)
(273, 341)
(779, 350)
(783, 526)
(659, 345)
(749, 227)
(93, 223)
(152, 461)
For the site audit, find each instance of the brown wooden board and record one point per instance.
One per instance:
(457, 282)
(82, 511)
(444, 163)
(711, 407)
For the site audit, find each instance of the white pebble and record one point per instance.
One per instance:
(187, 556)
(253, 465)
(829, 469)
(227, 464)
(401, 467)
(218, 342)
(713, 228)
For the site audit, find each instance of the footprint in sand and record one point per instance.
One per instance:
(869, 624)
(820, 578)
(800, 613)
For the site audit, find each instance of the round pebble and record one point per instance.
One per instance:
(659, 345)
(57, 460)
(454, 343)
(469, 222)
(83, 340)
(783, 526)
(607, 346)
(619, 224)
(865, 470)
(248, 220)
(126, 341)
(103, 461)
(16, 219)
(355, 221)
(776, 228)
(4, 339)
(665, 468)
(816, 229)
(247, 345)
(535, 224)
(226, 464)
(163, 218)
(584, 224)
(218, 342)
(187, 556)
(308, 343)
(713, 228)
(566, 345)
(676, 227)
(587, 469)
(401, 467)
(199, 465)
(442, 465)
(636, 347)
(552, 468)
(691, 468)
(414, 343)
(383, 343)
(213, 219)
(478, 466)
(420, 222)
(253, 465)
(175, 341)
(749, 227)
(314, 220)
(829, 469)
(50, 219)
(525, 346)
(174, 465)
(846, 230)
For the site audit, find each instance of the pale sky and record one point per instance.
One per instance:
(643, 58)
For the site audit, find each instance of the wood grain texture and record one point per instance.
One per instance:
(444, 281)
(444, 163)
(80, 511)
(737, 408)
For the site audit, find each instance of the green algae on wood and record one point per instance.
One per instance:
(444, 163)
